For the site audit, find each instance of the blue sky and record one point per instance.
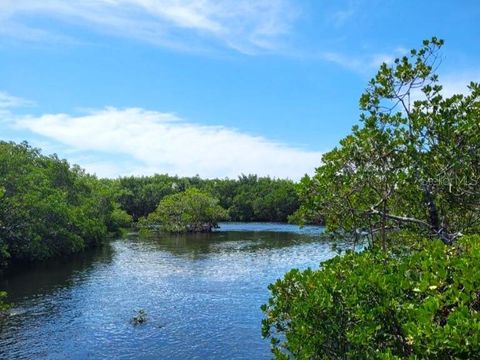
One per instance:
(215, 88)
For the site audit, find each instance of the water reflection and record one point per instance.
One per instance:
(234, 237)
(202, 295)
(43, 278)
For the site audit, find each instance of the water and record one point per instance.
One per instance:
(202, 295)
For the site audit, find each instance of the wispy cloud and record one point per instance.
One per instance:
(453, 83)
(343, 15)
(457, 83)
(340, 17)
(243, 25)
(362, 63)
(8, 101)
(162, 142)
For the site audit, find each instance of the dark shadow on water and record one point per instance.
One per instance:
(44, 277)
(202, 294)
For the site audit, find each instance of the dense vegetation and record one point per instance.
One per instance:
(188, 211)
(378, 305)
(406, 184)
(48, 208)
(414, 163)
(249, 198)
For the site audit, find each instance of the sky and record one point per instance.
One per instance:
(216, 88)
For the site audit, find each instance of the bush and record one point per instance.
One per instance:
(188, 211)
(49, 208)
(373, 304)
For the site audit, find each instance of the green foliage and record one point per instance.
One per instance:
(139, 196)
(249, 198)
(424, 305)
(48, 208)
(118, 220)
(263, 199)
(412, 164)
(410, 171)
(3, 306)
(188, 211)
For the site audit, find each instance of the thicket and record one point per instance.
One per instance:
(379, 305)
(406, 184)
(49, 208)
(188, 211)
(412, 163)
(248, 198)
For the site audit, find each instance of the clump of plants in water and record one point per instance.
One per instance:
(188, 211)
(139, 318)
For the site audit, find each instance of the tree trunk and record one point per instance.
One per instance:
(434, 218)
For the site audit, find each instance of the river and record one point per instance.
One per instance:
(202, 295)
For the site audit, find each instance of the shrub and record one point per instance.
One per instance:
(373, 304)
(188, 211)
(49, 208)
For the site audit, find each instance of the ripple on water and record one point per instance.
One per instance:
(202, 295)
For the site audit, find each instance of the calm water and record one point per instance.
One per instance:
(202, 294)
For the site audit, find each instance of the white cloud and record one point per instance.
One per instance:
(8, 101)
(157, 142)
(362, 64)
(457, 83)
(245, 25)
(452, 84)
(340, 17)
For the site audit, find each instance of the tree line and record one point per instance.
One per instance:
(50, 208)
(248, 198)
